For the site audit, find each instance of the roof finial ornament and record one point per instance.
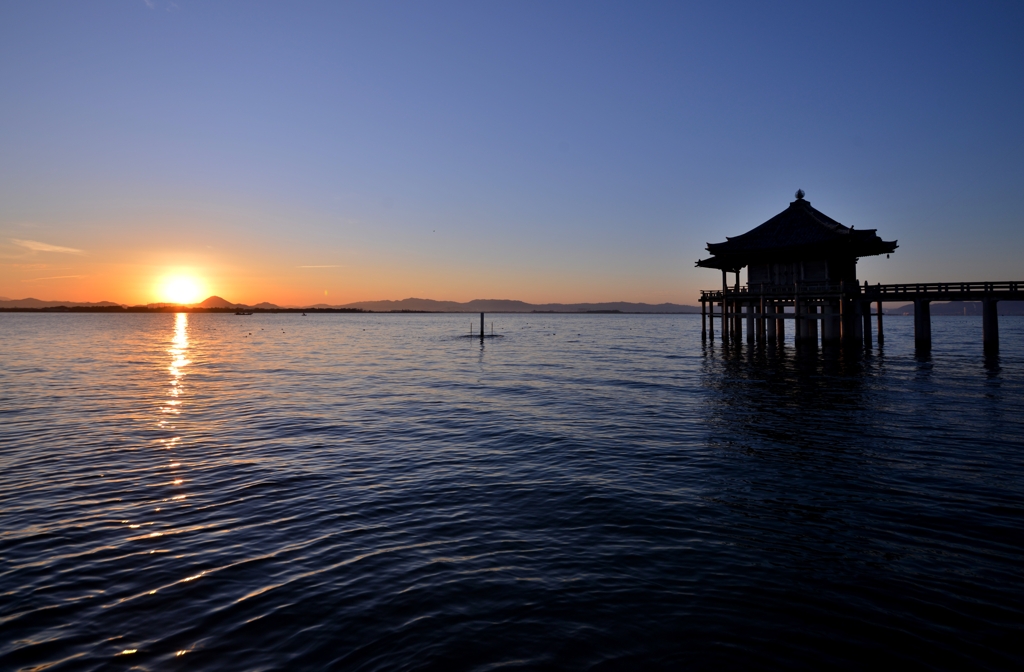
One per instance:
(799, 194)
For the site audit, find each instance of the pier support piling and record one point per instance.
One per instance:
(762, 321)
(922, 324)
(703, 320)
(989, 326)
(725, 310)
(866, 310)
(828, 324)
(737, 319)
(880, 337)
(858, 323)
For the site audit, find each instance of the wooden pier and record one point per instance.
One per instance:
(843, 312)
(802, 267)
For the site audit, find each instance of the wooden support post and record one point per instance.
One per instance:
(725, 309)
(780, 324)
(703, 320)
(989, 326)
(750, 321)
(481, 326)
(762, 321)
(867, 323)
(770, 334)
(733, 307)
(850, 324)
(828, 324)
(797, 331)
(711, 320)
(880, 337)
(737, 320)
(865, 309)
(922, 324)
(858, 324)
(844, 326)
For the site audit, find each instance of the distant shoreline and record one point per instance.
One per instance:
(232, 311)
(494, 307)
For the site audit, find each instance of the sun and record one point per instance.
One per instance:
(180, 289)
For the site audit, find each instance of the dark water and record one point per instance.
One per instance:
(588, 492)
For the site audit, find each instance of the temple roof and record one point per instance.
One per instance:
(797, 233)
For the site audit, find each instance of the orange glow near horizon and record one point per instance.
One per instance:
(181, 288)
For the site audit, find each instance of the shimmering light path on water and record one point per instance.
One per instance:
(588, 492)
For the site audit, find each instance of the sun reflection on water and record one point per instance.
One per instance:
(179, 347)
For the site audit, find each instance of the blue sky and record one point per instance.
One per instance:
(537, 151)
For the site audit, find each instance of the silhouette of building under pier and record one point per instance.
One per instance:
(802, 270)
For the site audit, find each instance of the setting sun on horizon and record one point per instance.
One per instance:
(181, 288)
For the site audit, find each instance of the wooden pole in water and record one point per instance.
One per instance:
(481, 326)
(725, 304)
(880, 338)
(703, 320)
(867, 324)
(737, 321)
(989, 326)
(867, 319)
(798, 332)
(780, 323)
(762, 321)
(844, 326)
(750, 321)
(711, 320)
(922, 324)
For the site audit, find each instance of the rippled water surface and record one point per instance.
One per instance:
(587, 492)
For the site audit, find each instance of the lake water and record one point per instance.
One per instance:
(374, 492)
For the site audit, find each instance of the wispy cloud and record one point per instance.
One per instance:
(54, 277)
(327, 266)
(150, 3)
(36, 246)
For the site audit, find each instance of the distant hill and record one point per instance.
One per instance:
(213, 302)
(216, 302)
(415, 305)
(36, 303)
(511, 306)
(960, 308)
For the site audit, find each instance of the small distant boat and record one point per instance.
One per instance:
(243, 312)
(303, 314)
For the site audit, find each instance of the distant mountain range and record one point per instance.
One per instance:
(475, 306)
(509, 306)
(410, 305)
(484, 306)
(36, 303)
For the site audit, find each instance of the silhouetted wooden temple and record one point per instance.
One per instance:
(802, 266)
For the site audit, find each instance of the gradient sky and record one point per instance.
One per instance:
(542, 151)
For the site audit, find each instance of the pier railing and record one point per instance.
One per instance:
(931, 291)
(1006, 289)
(768, 291)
